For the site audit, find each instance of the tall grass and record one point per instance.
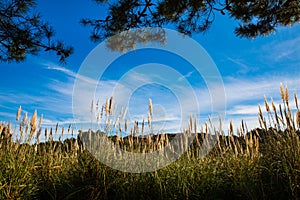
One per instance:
(263, 163)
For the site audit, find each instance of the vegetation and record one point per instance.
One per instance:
(22, 32)
(259, 164)
(256, 18)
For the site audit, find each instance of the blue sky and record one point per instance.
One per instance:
(250, 69)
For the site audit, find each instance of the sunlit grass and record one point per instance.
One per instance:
(263, 163)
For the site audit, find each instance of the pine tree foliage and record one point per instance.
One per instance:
(255, 17)
(23, 33)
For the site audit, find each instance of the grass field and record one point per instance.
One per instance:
(263, 163)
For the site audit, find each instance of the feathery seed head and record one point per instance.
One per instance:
(19, 113)
(287, 94)
(150, 107)
(296, 100)
(33, 122)
(282, 92)
(266, 104)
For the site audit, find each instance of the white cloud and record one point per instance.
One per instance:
(244, 68)
(242, 97)
(243, 110)
(185, 76)
(283, 50)
(238, 90)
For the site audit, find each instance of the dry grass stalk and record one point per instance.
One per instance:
(243, 128)
(110, 111)
(46, 133)
(102, 111)
(106, 107)
(298, 118)
(230, 128)
(191, 124)
(149, 121)
(206, 128)
(195, 125)
(287, 119)
(143, 126)
(20, 128)
(41, 120)
(275, 113)
(92, 106)
(97, 104)
(256, 146)
(1, 127)
(260, 114)
(38, 135)
(282, 92)
(50, 138)
(69, 127)
(125, 125)
(26, 128)
(296, 100)
(98, 116)
(120, 127)
(56, 127)
(19, 113)
(287, 95)
(150, 107)
(33, 122)
(266, 104)
(24, 120)
(281, 114)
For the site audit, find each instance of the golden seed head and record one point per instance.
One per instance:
(296, 100)
(273, 106)
(33, 122)
(150, 107)
(26, 129)
(286, 94)
(19, 113)
(24, 120)
(282, 92)
(266, 104)
(260, 112)
(231, 127)
(149, 120)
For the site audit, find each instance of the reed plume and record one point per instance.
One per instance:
(19, 113)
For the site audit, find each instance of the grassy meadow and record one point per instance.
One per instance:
(263, 163)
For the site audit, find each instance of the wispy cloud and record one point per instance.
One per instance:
(243, 110)
(242, 98)
(244, 67)
(185, 76)
(286, 50)
(70, 73)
